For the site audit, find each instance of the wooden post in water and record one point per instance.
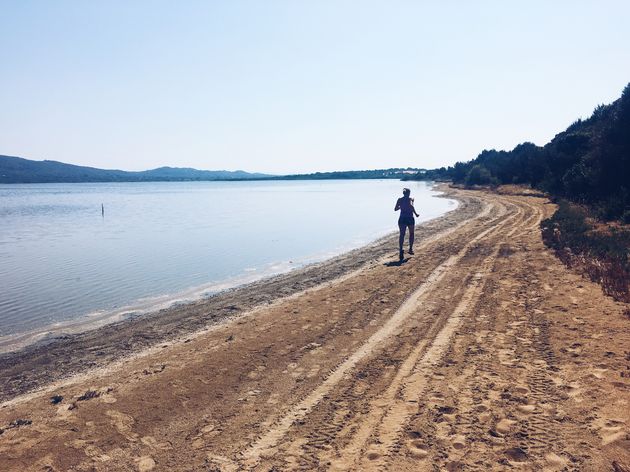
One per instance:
(102, 210)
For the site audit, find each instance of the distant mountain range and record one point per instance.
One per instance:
(16, 170)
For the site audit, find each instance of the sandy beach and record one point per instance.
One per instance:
(480, 352)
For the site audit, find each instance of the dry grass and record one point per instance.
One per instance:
(582, 243)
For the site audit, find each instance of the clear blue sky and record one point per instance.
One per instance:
(296, 86)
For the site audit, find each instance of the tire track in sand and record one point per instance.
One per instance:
(315, 450)
(389, 413)
(266, 444)
(405, 404)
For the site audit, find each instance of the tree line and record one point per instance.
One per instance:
(588, 163)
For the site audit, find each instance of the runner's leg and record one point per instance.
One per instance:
(401, 239)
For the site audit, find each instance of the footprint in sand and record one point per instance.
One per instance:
(483, 412)
(209, 428)
(66, 411)
(313, 371)
(521, 390)
(527, 409)
(152, 443)
(612, 431)
(297, 372)
(598, 373)
(459, 442)
(109, 399)
(93, 451)
(516, 454)
(611, 435)
(554, 462)
(449, 413)
(576, 351)
(198, 443)
(572, 389)
(145, 464)
(222, 463)
(253, 375)
(443, 431)
(417, 449)
(504, 426)
(123, 424)
(205, 433)
(558, 381)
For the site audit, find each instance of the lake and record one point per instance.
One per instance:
(64, 264)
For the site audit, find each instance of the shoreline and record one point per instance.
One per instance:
(46, 360)
(48, 317)
(462, 356)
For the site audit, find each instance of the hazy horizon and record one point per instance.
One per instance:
(196, 168)
(285, 88)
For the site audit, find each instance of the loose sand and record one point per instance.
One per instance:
(480, 352)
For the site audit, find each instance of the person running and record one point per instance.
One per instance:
(406, 220)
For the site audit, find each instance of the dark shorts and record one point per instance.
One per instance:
(406, 221)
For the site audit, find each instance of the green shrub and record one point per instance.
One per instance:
(602, 254)
(479, 175)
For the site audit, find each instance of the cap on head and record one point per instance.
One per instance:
(406, 192)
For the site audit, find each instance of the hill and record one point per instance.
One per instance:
(17, 170)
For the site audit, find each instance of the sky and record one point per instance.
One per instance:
(295, 86)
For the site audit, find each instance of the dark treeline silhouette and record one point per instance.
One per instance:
(586, 170)
(392, 173)
(588, 163)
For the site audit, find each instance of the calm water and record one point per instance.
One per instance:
(62, 262)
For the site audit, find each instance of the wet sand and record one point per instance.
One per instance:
(480, 352)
